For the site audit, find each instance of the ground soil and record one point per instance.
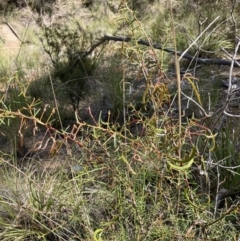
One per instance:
(10, 43)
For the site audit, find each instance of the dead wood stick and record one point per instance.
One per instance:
(168, 50)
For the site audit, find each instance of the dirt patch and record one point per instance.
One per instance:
(10, 42)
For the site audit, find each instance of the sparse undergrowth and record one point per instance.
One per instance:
(96, 147)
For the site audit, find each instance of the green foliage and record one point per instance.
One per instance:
(139, 171)
(140, 6)
(13, 100)
(190, 21)
(226, 155)
(113, 94)
(67, 48)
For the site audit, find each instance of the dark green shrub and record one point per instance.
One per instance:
(72, 64)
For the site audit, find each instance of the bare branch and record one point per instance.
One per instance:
(168, 50)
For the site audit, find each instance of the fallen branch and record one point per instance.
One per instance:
(171, 51)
